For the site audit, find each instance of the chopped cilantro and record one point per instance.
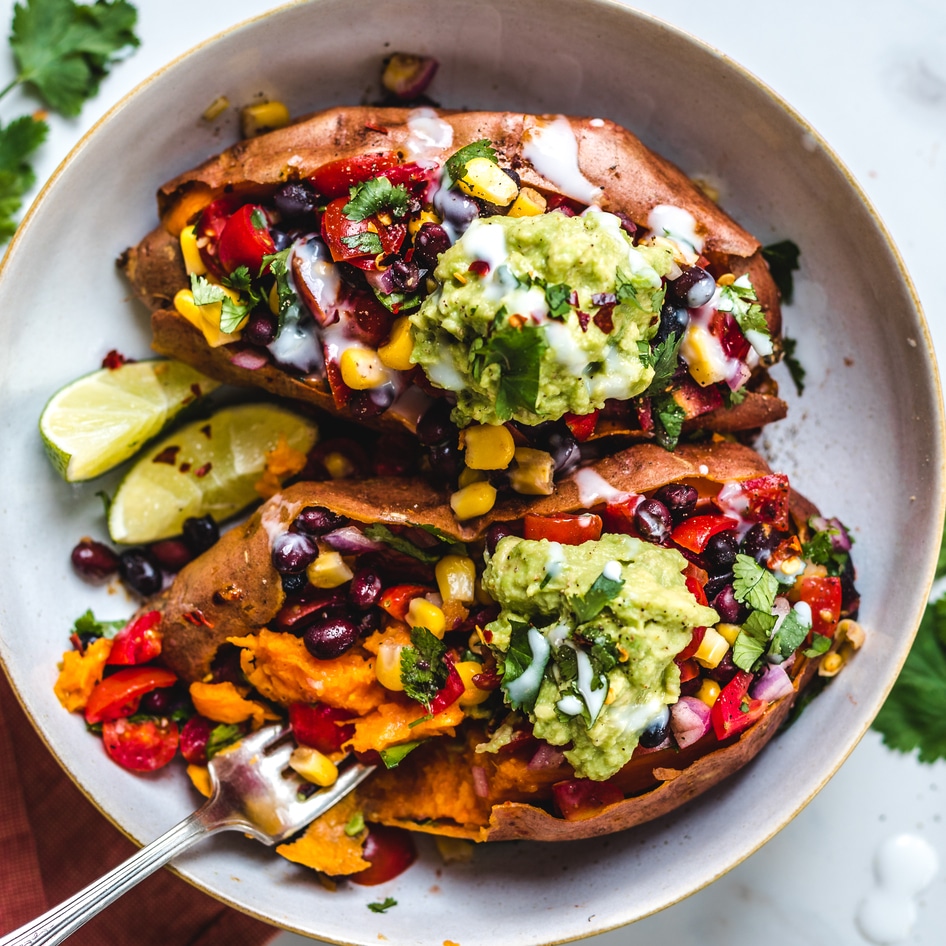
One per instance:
(558, 296)
(668, 417)
(519, 657)
(393, 756)
(604, 655)
(221, 736)
(423, 668)
(742, 302)
(795, 369)
(457, 162)
(518, 353)
(590, 604)
(753, 639)
(258, 219)
(820, 644)
(366, 242)
(18, 140)
(663, 359)
(88, 625)
(356, 824)
(239, 280)
(381, 533)
(278, 264)
(789, 637)
(383, 906)
(566, 663)
(782, 258)
(374, 196)
(753, 583)
(820, 551)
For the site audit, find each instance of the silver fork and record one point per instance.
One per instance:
(251, 792)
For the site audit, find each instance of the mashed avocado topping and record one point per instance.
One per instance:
(586, 639)
(537, 316)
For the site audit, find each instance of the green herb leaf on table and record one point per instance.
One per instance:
(795, 369)
(64, 49)
(382, 906)
(89, 625)
(18, 141)
(782, 258)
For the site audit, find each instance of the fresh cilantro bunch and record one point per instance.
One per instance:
(62, 51)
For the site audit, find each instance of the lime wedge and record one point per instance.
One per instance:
(208, 467)
(103, 418)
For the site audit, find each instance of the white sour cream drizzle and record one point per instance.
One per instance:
(612, 570)
(527, 684)
(552, 149)
(675, 223)
(428, 134)
(594, 488)
(904, 866)
(593, 699)
(554, 560)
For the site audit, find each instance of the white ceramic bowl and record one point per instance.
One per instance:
(865, 440)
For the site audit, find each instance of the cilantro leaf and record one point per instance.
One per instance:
(912, 717)
(221, 736)
(206, 293)
(375, 196)
(669, 417)
(423, 668)
(356, 824)
(792, 631)
(742, 302)
(590, 604)
(820, 644)
(558, 296)
(663, 358)
(753, 639)
(457, 162)
(381, 533)
(819, 550)
(88, 625)
(18, 140)
(383, 906)
(518, 352)
(393, 756)
(64, 49)
(795, 368)
(753, 583)
(782, 258)
(363, 242)
(521, 657)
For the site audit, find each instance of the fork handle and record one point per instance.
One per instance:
(62, 921)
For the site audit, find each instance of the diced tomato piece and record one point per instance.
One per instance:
(698, 634)
(694, 399)
(351, 240)
(397, 599)
(138, 641)
(195, 736)
(644, 409)
(317, 725)
(120, 694)
(730, 336)
(823, 596)
(336, 178)
(245, 240)
(767, 498)
(567, 528)
(696, 589)
(580, 798)
(694, 533)
(143, 746)
(619, 517)
(734, 710)
(689, 668)
(213, 218)
(582, 426)
(449, 693)
(389, 851)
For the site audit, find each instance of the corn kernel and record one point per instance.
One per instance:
(272, 299)
(487, 181)
(338, 465)
(313, 766)
(729, 632)
(193, 262)
(704, 356)
(529, 203)
(708, 692)
(712, 649)
(533, 472)
(329, 570)
(387, 665)
(421, 613)
(474, 500)
(216, 108)
(204, 317)
(456, 578)
(468, 476)
(727, 279)
(361, 368)
(425, 216)
(830, 665)
(472, 695)
(396, 351)
(488, 447)
(264, 116)
(851, 632)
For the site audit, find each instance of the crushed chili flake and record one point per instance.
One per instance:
(583, 319)
(203, 470)
(115, 359)
(371, 126)
(167, 455)
(197, 618)
(184, 467)
(207, 431)
(603, 319)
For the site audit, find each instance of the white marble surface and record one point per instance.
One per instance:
(871, 78)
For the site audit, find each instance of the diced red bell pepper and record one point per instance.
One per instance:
(143, 746)
(389, 851)
(358, 240)
(245, 240)
(567, 528)
(336, 178)
(698, 634)
(213, 218)
(120, 694)
(694, 533)
(823, 596)
(450, 692)
(695, 399)
(644, 409)
(580, 798)
(689, 668)
(582, 426)
(734, 710)
(767, 498)
(317, 725)
(619, 517)
(137, 642)
(397, 599)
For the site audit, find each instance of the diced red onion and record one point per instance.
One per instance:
(689, 720)
(546, 757)
(480, 781)
(350, 540)
(381, 279)
(739, 374)
(772, 685)
(248, 359)
(407, 76)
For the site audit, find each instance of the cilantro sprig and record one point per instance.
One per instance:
(782, 258)
(456, 164)
(423, 667)
(593, 601)
(518, 353)
(375, 196)
(88, 625)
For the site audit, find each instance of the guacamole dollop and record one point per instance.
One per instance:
(587, 637)
(533, 317)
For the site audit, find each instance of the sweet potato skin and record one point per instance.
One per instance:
(631, 178)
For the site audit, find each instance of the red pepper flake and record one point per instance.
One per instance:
(167, 455)
(479, 267)
(184, 467)
(196, 391)
(114, 359)
(197, 618)
(76, 642)
(203, 470)
(395, 308)
(487, 635)
(486, 680)
(207, 431)
(603, 319)
(583, 319)
(371, 126)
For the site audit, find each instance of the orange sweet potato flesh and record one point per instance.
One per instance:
(631, 177)
(434, 789)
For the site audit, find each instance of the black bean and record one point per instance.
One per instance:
(139, 569)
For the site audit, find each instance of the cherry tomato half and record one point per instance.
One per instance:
(213, 218)
(767, 498)
(694, 533)
(358, 240)
(245, 240)
(138, 641)
(336, 178)
(317, 725)
(734, 710)
(580, 798)
(143, 746)
(120, 694)
(389, 851)
(567, 528)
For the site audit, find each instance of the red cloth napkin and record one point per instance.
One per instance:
(53, 842)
